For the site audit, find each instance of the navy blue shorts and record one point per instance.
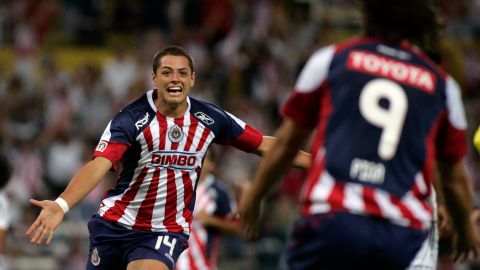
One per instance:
(113, 246)
(347, 241)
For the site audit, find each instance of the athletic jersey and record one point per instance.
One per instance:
(213, 199)
(162, 158)
(382, 113)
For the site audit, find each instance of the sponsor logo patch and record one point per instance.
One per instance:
(142, 121)
(174, 159)
(102, 145)
(204, 118)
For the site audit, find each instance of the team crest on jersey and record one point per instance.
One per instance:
(175, 134)
(102, 145)
(204, 118)
(95, 259)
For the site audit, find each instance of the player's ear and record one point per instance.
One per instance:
(192, 82)
(154, 77)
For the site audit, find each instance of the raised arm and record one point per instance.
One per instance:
(52, 214)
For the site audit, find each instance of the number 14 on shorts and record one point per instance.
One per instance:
(165, 240)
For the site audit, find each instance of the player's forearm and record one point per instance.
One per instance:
(302, 159)
(274, 164)
(457, 195)
(85, 180)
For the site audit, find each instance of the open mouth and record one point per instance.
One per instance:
(175, 90)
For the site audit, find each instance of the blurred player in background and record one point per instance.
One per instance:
(160, 141)
(383, 113)
(5, 174)
(214, 214)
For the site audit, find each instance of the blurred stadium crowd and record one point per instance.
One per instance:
(67, 66)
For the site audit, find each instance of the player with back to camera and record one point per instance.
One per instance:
(383, 113)
(160, 139)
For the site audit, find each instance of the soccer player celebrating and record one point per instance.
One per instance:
(382, 112)
(160, 140)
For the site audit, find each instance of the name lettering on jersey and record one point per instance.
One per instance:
(142, 121)
(174, 159)
(390, 68)
(204, 118)
(367, 171)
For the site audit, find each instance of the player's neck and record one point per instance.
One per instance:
(171, 109)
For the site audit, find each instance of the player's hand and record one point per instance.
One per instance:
(250, 210)
(466, 245)
(444, 225)
(43, 228)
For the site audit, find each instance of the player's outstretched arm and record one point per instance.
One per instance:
(459, 203)
(84, 181)
(302, 159)
(290, 137)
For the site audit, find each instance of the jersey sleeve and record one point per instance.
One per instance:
(240, 135)
(452, 140)
(303, 104)
(116, 139)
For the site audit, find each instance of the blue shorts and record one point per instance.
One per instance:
(113, 246)
(347, 241)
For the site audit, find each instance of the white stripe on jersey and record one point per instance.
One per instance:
(239, 122)
(456, 112)
(106, 134)
(353, 198)
(320, 193)
(315, 71)
(159, 210)
(388, 209)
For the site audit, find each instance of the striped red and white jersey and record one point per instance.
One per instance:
(161, 160)
(382, 114)
(213, 198)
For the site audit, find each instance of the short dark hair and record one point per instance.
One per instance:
(417, 21)
(171, 50)
(5, 171)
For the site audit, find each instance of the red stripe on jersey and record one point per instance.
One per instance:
(162, 131)
(249, 140)
(191, 132)
(452, 145)
(188, 196)
(336, 197)
(171, 204)
(191, 260)
(147, 134)
(143, 220)
(371, 205)
(204, 137)
(415, 223)
(118, 209)
(313, 178)
(201, 245)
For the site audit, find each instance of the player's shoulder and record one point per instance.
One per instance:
(139, 112)
(206, 112)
